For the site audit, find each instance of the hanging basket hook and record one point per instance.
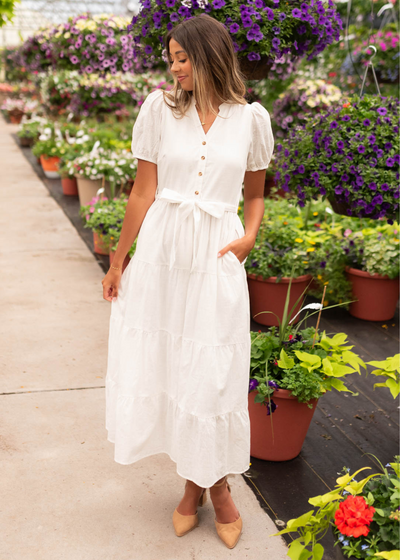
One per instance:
(375, 51)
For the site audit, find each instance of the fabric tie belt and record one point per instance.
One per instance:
(187, 206)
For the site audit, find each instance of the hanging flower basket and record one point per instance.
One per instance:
(349, 154)
(259, 33)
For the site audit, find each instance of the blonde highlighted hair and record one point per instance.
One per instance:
(215, 66)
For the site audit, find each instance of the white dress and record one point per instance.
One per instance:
(179, 339)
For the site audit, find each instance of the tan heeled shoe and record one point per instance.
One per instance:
(185, 523)
(229, 533)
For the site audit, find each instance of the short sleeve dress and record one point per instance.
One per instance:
(179, 335)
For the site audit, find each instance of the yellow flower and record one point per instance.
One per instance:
(330, 291)
(305, 262)
(327, 282)
(384, 326)
(326, 302)
(298, 240)
(315, 213)
(310, 249)
(111, 237)
(239, 208)
(319, 277)
(67, 35)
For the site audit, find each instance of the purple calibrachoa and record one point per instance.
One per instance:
(305, 28)
(357, 165)
(88, 44)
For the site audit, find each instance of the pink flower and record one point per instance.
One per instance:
(347, 232)
(383, 46)
(92, 208)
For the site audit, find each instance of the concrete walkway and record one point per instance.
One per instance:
(62, 496)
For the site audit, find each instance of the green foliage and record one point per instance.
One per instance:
(389, 368)
(380, 490)
(7, 11)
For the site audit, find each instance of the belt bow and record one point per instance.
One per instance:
(186, 207)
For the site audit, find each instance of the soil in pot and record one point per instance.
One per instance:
(69, 186)
(290, 422)
(50, 166)
(377, 295)
(268, 295)
(100, 246)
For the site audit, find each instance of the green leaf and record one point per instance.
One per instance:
(295, 549)
(318, 552)
(285, 362)
(300, 521)
(311, 360)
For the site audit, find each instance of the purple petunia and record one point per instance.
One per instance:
(346, 118)
(373, 186)
(344, 177)
(276, 42)
(361, 149)
(340, 144)
(252, 384)
(382, 111)
(366, 122)
(282, 16)
(234, 28)
(296, 13)
(390, 162)
(385, 187)
(273, 407)
(148, 49)
(217, 4)
(333, 125)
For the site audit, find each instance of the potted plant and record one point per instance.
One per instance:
(283, 250)
(29, 132)
(14, 108)
(373, 270)
(260, 33)
(295, 367)
(347, 155)
(386, 63)
(102, 168)
(363, 516)
(104, 217)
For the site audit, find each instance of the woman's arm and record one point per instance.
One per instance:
(141, 198)
(253, 214)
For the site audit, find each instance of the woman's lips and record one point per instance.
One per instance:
(182, 78)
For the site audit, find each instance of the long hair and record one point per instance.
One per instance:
(215, 66)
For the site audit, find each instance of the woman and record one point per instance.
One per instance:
(179, 343)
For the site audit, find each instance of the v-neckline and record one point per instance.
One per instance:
(206, 135)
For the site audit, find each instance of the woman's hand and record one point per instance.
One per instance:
(240, 247)
(110, 284)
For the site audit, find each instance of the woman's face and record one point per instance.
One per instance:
(180, 65)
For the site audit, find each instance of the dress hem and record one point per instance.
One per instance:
(177, 471)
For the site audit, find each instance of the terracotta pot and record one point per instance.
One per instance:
(267, 295)
(100, 246)
(126, 260)
(15, 116)
(69, 186)
(290, 422)
(50, 166)
(377, 295)
(88, 188)
(26, 141)
(255, 69)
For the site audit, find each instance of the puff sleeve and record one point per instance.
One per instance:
(262, 140)
(146, 134)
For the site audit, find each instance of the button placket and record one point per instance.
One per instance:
(200, 173)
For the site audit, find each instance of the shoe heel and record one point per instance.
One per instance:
(229, 533)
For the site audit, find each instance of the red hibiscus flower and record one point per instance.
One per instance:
(353, 516)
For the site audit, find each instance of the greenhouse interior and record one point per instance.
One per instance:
(312, 452)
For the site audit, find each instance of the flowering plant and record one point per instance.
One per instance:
(116, 167)
(258, 28)
(86, 43)
(363, 515)
(350, 153)
(285, 244)
(105, 217)
(386, 63)
(26, 106)
(374, 250)
(301, 99)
